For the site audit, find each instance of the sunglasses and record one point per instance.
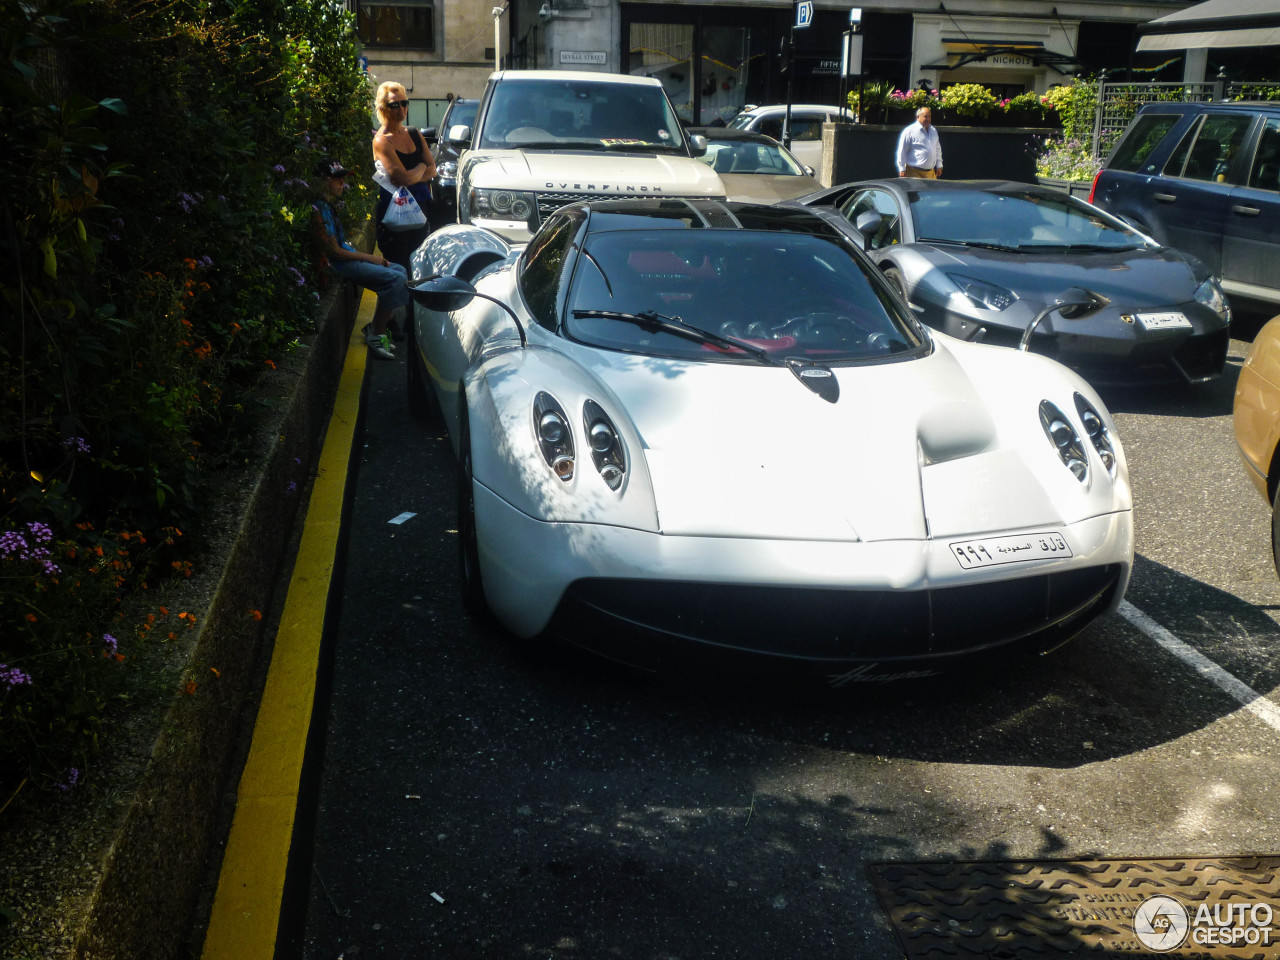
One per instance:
(396, 104)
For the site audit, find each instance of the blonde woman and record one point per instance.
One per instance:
(408, 163)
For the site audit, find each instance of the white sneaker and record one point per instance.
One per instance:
(380, 346)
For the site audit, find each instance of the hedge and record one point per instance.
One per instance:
(155, 208)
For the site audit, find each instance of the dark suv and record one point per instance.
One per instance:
(445, 187)
(1204, 178)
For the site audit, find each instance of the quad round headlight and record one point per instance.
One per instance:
(1098, 435)
(555, 440)
(606, 446)
(1065, 440)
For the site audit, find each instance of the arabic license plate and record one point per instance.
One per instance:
(990, 551)
(1163, 321)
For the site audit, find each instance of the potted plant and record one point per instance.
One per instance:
(970, 101)
(1028, 109)
(1067, 165)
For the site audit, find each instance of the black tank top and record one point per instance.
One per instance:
(412, 159)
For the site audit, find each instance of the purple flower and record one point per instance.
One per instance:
(205, 261)
(73, 777)
(11, 542)
(278, 168)
(298, 278)
(292, 488)
(76, 443)
(13, 676)
(113, 646)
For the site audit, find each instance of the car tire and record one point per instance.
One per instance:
(469, 580)
(894, 276)
(1275, 529)
(423, 405)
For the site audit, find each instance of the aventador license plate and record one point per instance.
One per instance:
(990, 551)
(1162, 321)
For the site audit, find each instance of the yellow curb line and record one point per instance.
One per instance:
(246, 906)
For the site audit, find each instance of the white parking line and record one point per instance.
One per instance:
(1254, 702)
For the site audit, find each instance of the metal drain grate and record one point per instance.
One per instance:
(1226, 908)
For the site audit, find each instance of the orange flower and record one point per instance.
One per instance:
(270, 363)
(31, 618)
(190, 687)
(164, 611)
(215, 671)
(256, 614)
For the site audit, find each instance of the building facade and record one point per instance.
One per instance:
(439, 49)
(713, 57)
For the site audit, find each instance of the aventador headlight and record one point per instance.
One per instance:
(1210, 294)
(502, 204)
(983, 294)
(1064, 438)
(551, 427)
(606, 447)
(1097, 433)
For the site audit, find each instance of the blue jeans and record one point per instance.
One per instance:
(389, 283)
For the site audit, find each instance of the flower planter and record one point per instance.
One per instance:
(1073, 188)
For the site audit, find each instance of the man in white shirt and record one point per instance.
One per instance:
(919, 150)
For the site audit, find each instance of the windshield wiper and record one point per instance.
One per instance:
(1085, 247)
(622, 144)
(970, 243)
(554, 145)
(651, 320)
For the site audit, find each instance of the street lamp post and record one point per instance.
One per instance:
(497, 37)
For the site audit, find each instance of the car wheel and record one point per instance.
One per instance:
(894, 276)
(423, 405)
(468, 545)
(1275, 529)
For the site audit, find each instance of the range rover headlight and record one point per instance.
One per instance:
(447, 170)
(487, 204)
(983, 294)
(555, 439)
(1210, 294)
(1065, 440)
(607, 452)
(1097, 433)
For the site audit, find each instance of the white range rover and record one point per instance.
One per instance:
(545, 138)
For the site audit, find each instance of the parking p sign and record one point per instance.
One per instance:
(804, 14)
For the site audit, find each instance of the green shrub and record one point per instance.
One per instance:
(968, 100)
(1029, 102)
(155, 205)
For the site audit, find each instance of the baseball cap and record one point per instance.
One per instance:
(332, 168)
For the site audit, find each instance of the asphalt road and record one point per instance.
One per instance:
(481, 797)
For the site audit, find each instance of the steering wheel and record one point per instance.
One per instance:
(526, 133)
(816, 316)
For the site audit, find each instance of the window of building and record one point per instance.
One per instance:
(406, 23)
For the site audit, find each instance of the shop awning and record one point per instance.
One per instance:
(962, 52)
(1214, 23)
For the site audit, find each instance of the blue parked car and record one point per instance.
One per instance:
(1204, 178)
